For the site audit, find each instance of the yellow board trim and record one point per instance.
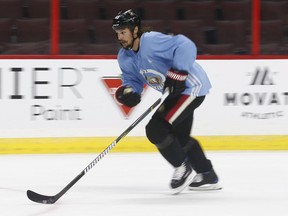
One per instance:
(133, 144)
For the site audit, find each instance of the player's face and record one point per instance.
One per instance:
(125, 38)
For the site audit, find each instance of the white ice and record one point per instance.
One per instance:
(136, 184)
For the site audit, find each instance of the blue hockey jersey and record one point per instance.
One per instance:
(157, 54)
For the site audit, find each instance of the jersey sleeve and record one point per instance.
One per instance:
(128, 77)
(185, 53)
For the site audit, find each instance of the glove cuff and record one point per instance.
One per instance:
(177, 75)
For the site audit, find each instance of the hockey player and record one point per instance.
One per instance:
(166, 63)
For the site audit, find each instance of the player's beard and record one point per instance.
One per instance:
(126, 45)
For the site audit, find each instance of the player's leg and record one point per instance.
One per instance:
(206, 177)
(158, 131)
(190, 145)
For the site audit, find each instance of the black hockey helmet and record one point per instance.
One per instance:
(126, 19)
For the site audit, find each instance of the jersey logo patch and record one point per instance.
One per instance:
(154, 78)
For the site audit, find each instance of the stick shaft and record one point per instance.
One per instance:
(52, 199)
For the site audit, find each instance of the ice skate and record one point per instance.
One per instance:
(205, 181)
(182, 177)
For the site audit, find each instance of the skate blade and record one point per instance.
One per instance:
(207, 187)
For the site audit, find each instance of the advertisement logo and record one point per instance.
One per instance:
(261, 96)
(262, 77)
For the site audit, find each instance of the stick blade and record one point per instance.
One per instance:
(40, 198)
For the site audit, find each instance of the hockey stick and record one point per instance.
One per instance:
(52, 199)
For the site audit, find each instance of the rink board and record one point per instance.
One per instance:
(63, 106)
(134, 144)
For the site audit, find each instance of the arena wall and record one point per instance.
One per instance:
(68, 105)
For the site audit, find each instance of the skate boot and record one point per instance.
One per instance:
(205, 181)
(182, 177)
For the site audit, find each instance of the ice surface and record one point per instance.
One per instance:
(136, 184)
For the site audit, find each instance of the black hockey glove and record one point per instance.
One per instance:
(127, 97)
(175, 81)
